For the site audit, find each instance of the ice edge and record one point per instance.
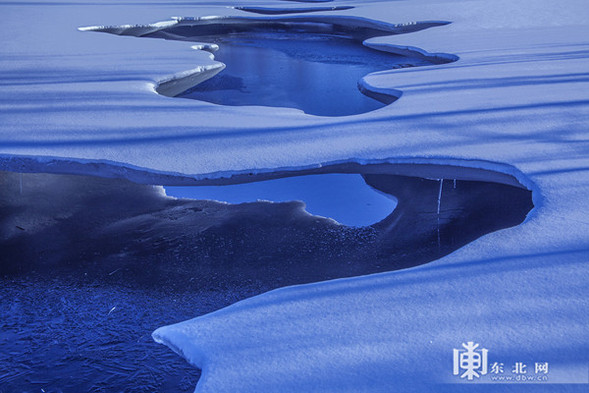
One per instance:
(426, 167)
(176, 84)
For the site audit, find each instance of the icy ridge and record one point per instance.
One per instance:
(426, 167)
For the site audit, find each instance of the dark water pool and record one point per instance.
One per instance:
(315, 73)
(89, 267)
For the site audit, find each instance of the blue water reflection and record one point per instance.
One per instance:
(314, 73)
(344, 197)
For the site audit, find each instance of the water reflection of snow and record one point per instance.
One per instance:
(344, 197)
(316, 74)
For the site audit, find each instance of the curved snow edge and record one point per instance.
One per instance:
(425, 167)
(388, 95)
(428, 168)
(192, 356)
(178, 83)
(436, 58)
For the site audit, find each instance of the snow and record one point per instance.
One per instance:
(290, 10)
(516, 102)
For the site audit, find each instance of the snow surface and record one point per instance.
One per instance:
(290, 10)
(516, 102)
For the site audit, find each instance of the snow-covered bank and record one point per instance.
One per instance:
(517, 99)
